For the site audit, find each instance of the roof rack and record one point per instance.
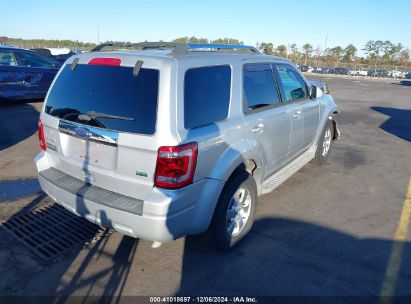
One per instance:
(181, 48)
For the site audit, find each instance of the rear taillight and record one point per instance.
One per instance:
(42, 138)
(175, 166)
(105, 61)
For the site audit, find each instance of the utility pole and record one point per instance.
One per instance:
(98, 35)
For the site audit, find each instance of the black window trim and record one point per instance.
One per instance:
(246, 109)
(229, 99)
(277, 75)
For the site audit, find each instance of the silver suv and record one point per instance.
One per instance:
(178, 139)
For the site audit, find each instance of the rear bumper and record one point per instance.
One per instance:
(165, 214)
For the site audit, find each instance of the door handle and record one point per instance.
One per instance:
(297, 114)
(259, 128)
(28, 78)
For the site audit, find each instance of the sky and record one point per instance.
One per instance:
(252, 21)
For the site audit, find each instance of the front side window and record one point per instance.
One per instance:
(7, 58)
(206, 95)
(293, 85)
(33, 60)
(259, 86)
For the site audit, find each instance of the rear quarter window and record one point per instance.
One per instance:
(206, 95)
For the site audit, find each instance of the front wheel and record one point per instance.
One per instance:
(324, 144)
(234, 213)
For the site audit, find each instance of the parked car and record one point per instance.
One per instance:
(317, 70)
(58, 54)
(408, 75)
(25, 74)
(341, 71)
(359, 72)
(327, 70)
(306, 68)
(396, 74)
(183, 140)
(378, 73)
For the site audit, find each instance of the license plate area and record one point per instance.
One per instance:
(88, 152)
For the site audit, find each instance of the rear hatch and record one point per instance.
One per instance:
(102, 125)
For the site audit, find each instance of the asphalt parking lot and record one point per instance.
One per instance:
(335, 230)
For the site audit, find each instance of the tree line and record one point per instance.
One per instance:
(376, 51)
(39, 43)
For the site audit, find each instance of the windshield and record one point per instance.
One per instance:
(112, 91)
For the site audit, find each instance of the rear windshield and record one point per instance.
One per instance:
(95, 91)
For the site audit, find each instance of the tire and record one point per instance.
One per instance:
(322, 153)
(242, 186)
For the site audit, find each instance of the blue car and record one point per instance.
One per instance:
(25, 74)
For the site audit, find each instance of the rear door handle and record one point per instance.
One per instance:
(297, 114)
(259, 128)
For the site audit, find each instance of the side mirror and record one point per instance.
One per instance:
(316, 92)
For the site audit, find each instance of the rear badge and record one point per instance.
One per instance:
(52, 147)
(141, 173)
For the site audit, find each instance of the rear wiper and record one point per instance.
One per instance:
(92, 115)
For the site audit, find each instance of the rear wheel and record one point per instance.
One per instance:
(324, 144)
(235, 210)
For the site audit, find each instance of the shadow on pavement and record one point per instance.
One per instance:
(115, 275)
(398, 123)
(11, 190)
(285, 257)
(18, 121)
(63, 277)
(280, 257)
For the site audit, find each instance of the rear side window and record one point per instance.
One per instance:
(206, 95)
(293, 85)
(259, 86)
(33, 60)
(110, 90)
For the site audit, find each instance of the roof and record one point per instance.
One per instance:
(13, 48)
(57, 51)
(183, 52)
(180, 49)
